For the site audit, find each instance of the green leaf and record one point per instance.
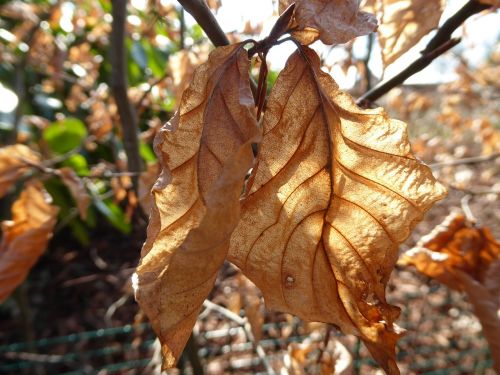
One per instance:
(114, 214)
(65, 135)
(62, 198)
(146, 152)
(78, 163)
(80, 232)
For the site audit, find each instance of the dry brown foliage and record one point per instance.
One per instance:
(25, 237)
(14, 162)
(206, 152)
(465, 257)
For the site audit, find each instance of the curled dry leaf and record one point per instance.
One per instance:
(14, 162)
(403, 23)
(454, 245)
(331, 21)
(205, 151)
(467, 258)
(250, 298)
(335, 191)
(486, 309)
(183, 65)
(25, 237)
(77, 190)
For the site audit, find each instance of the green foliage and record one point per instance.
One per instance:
(65, 135)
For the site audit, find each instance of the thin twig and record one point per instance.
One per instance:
(471, 160)
(20, 72)
(245, 324)
(440, 43)
(454, 22)
(140, 102)
(119, 84)
(473, 192)
(203, 15)
(415, 67)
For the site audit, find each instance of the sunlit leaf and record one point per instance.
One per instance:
(335, 190)
(65, 135)
(14, 162)
(25, 237)
(331, 21)
(206, 152)
(403, 23)
(78, 163)
(454, 245)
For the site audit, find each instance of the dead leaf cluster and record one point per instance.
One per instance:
(333, 191)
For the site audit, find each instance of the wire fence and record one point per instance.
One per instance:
(100, 348)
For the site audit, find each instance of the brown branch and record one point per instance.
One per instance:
(415, 67)
(202, 14)
(119, 84)
(439, 44)
(454, 22)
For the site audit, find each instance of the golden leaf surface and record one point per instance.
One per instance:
(331, 21)
(13, 164)
(25, 237)
(205, 151)
(334, 192)
(403, 23)
(454, 245)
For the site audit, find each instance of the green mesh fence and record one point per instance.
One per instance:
(100, 348)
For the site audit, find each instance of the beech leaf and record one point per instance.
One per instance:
(13, 164)
(205, 151)
(403, 23)
(455, 244)
(331, 21)
(25, 237)
(335, 190)
(486, 309)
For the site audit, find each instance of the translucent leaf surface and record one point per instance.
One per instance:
(205, 151)
(403, 23)
(334, 192)
(331, 21)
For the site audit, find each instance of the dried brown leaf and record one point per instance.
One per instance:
(77, 190)
(206, 152)
(251, 303)
(331, 21)
(454, 245)
(486, 309)
(403, 23)
(183, 64)
(335, 191)
(146, 182)
(25, 237)
(14, 162)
